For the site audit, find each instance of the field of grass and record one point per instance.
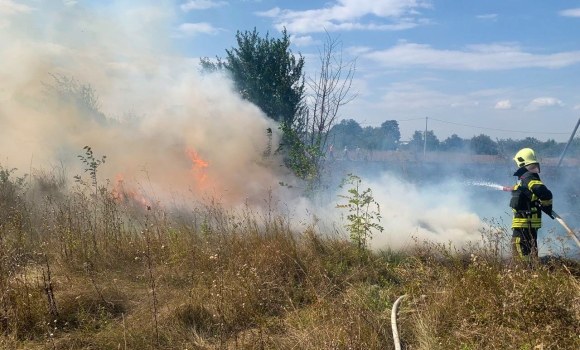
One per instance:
(99, 270)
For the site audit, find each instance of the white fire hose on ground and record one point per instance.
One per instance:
(394, 322)
(395, 308)
(566, 227)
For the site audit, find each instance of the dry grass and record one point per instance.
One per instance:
(124, 277)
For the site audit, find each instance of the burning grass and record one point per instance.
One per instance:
(84, 272)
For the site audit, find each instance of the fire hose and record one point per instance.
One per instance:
(396, 339)
(395, 308)
(556, 217)
(566, 227)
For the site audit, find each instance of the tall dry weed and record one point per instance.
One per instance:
(205, 277)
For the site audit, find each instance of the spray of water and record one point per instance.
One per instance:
(484, 184)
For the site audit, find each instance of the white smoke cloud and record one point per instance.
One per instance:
(9, 7)
(124, 56)
(439, 213)
(435, 214)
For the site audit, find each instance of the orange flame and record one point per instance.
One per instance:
(123, 194)
(198, 167)
(196, 159)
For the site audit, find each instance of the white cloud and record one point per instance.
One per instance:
(544, 102)
(270, 13)
(577, 107)
(490, 92)
(570, 13)
(348, 15)
(201, 5)
(303, 40)
(464, 104)
(410, 96)
(503, 105)
(357, 50)
(413, 96)
(473, 57)
(489, 17)
(190, 29)
(9, 7)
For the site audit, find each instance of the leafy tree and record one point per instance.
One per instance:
(266, 73)
(574, 149)
(391, 135)
(508, 147)
(453, 143)
(483, 144)
(68, 90)
(531, 142)
(207, 66)
(551, 148)
(418, 141)
(371, 138)
(348, 133)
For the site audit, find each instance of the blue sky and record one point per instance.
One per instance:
(499, 64)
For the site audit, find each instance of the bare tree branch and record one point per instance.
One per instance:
(330, 89)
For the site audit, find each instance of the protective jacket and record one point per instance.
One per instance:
(529, 198)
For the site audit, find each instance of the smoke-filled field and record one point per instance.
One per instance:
(172, 230)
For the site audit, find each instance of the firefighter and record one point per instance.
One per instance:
(529, 198)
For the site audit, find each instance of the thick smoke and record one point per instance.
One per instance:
(122, 51)
(411, 214)
(433, 214)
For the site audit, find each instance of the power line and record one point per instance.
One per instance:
(397, 120)
(495, 129)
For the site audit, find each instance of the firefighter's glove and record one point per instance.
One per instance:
(548, 210)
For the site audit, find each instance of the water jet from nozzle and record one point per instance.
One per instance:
(488, 184)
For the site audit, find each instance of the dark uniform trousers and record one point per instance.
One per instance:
(525, 242)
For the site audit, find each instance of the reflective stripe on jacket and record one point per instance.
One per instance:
(537, 194)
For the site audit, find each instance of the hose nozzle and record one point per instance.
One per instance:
(509, 189)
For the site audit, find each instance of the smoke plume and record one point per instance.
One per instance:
(187, 132)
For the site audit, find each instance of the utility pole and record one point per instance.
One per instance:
(568, 144)
(425, 145)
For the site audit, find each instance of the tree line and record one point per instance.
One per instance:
(349, 134)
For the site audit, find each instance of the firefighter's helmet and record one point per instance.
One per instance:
(525, 156)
